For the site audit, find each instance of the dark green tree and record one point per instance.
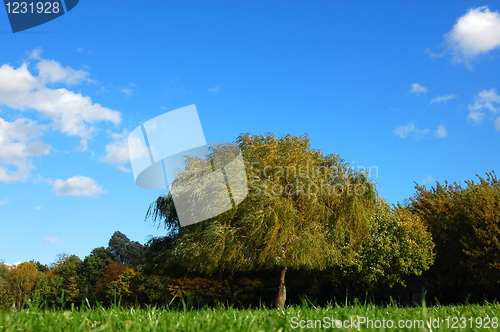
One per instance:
(127, 252)
(465, 224)
(92, 269)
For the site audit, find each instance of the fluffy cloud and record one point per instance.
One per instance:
(18, 142)
(442, 99)
(50, 71)
(478, 31)
(123, 149)
(418, 89)
(117, 152)
(71, 113)
(77, 186)
(486, 100)
(404, 131)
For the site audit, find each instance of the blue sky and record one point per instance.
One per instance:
(410, 89)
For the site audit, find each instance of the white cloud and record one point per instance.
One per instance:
(117, 152)
(215, 89)
(476, 116)
(36, 54)
(127, 92)
(71, 113)
(124, 148)
(51, 239)
(478, 31)
(78, 186)
(38, 208)
(50, 71)
(442, 99)
(403, 131)
(486, 100)
(82, 50)
(84, 145)
(441, 131)
(418, 89)
(17, 144)
(123, 168)
(431, 54)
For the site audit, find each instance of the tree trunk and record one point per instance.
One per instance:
(232, 287)
(281, 298)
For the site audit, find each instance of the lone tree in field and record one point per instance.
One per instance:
(304, 210)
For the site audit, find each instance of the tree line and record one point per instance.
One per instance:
(319, 232)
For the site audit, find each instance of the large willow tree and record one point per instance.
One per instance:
(304, 210)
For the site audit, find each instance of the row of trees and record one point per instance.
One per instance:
(310, 222)
(69, 279)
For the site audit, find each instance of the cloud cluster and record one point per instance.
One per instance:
(477, 32)
(71, 113)
(18, 142)
(77, 186)
(404, 131)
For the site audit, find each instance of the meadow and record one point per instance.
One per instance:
(359, 317)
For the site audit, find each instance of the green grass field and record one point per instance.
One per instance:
(341, 318)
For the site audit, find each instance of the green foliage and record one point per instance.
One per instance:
(465, 224)
(155, 287)
(125, 251)
(6, 298)
(22, 279)
(92, 269)
(69, 269)
(49, 290)
(121, 287)
(398, 245)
